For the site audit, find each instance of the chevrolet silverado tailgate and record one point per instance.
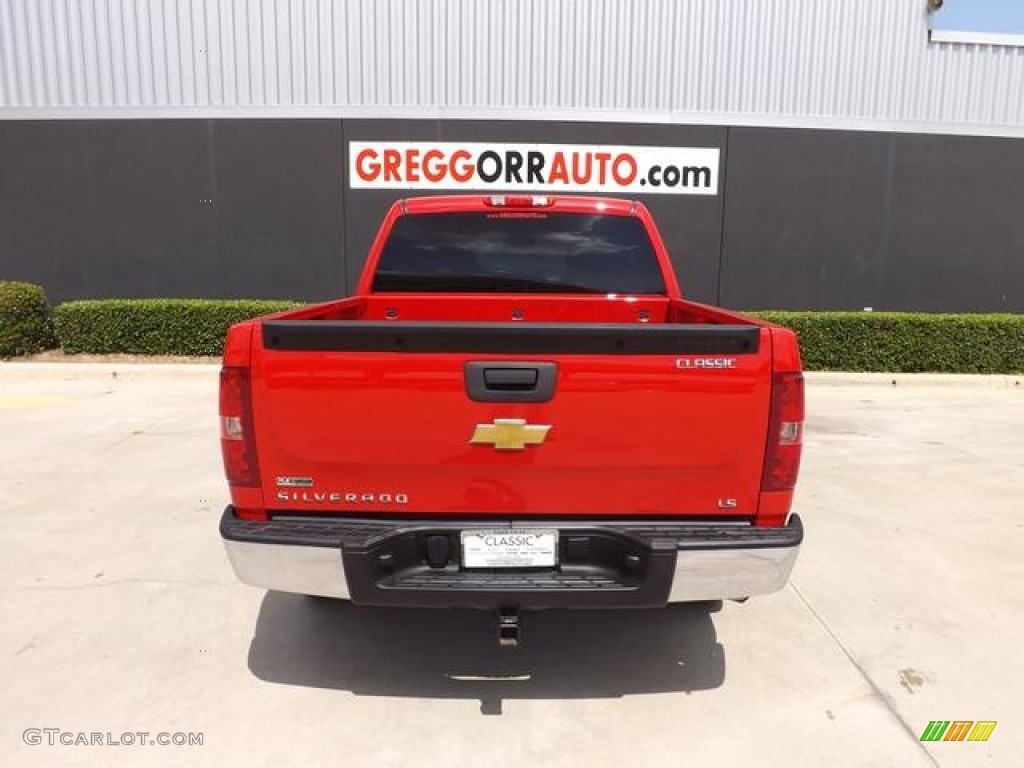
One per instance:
(505, 418)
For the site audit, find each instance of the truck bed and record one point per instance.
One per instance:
(661, 413)
(495, 308)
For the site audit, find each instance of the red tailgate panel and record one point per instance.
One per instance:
(389, 432)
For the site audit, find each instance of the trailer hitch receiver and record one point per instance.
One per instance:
(508, 627)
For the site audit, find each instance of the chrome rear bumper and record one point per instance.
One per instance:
(289, 568)
(700, 563)
(731, 573)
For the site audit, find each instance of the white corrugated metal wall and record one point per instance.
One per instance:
(864, 64)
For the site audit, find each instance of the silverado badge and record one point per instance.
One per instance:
(510, 434)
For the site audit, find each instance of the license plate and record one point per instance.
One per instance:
(509, 549)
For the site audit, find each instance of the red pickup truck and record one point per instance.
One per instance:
(517, 410)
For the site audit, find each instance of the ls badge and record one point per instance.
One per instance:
(510, 434)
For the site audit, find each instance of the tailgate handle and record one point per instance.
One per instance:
(513, 382)
(514, 379)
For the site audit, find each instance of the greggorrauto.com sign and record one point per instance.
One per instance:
(550, 168)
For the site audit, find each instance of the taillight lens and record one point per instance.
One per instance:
(237, 441)
(785, 433)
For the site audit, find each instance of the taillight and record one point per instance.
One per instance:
(785, 433)
(237, 441)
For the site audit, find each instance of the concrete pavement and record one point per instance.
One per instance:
(121, 614)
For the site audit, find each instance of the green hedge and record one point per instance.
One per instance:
(155, 326)
(26, 321)
(900, 342)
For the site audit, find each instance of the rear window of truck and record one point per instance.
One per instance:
(525, 251)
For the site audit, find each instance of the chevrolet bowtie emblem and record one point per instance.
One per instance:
(510, 434)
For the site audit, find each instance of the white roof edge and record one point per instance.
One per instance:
(974, 38)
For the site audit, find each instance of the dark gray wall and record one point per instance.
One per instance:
(804, 219)
(847, 220)
(116, 208)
